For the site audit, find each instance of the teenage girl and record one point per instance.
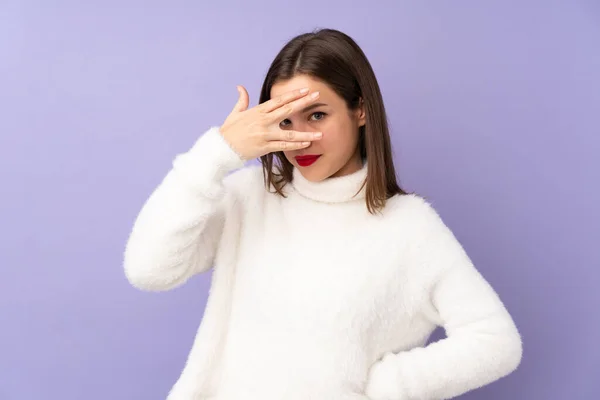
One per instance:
(328, 277)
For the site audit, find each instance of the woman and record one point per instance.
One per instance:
(328, 277)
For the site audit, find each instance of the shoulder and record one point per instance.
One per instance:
(416, 218)
(412, 208)
(429, 247)
(246, 182)
(243, 177)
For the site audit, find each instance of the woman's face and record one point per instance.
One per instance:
(338, 152)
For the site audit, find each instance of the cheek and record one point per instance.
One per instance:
(338, 137)
(289, 155)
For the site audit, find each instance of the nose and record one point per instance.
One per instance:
(302, 126)
(299, 126)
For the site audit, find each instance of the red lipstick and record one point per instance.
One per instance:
(305, 161)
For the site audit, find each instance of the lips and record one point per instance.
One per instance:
(305, 161)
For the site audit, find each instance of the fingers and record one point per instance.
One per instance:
(290, 108)
(282, 100)
(292, 136)
(290, 140)
(285, 146)
(243, 100)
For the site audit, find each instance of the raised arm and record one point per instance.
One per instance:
(179, 227)
(177, 231)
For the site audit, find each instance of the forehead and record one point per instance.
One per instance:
(299, 82)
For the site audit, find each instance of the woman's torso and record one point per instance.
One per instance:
(319, 292)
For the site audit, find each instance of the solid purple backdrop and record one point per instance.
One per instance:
(494, 108)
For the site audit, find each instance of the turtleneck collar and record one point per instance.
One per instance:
(332, 190)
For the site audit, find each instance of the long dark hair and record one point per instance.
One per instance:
(335, 59)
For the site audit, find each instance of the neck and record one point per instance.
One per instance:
(335, 189)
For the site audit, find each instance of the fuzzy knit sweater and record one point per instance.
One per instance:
(312, 297)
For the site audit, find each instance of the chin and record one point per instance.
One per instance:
(313, 174)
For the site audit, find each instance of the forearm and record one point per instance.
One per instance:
(176, 233)
(482, 345)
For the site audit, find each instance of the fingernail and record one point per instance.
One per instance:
(305, 143)
(319, 135)
(305, 90)
(314, 95)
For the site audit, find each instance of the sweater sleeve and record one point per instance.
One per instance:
(177, 231)
(482, 343)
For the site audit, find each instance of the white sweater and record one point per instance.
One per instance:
(312, 297)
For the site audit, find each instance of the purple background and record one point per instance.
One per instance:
(494, 108)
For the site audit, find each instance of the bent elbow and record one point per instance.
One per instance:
(142, 280)
(144, 274)
(506, 355)
(513, 353)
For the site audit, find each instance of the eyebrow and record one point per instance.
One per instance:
(315, 105)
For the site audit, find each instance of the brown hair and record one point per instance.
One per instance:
(335, 59)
